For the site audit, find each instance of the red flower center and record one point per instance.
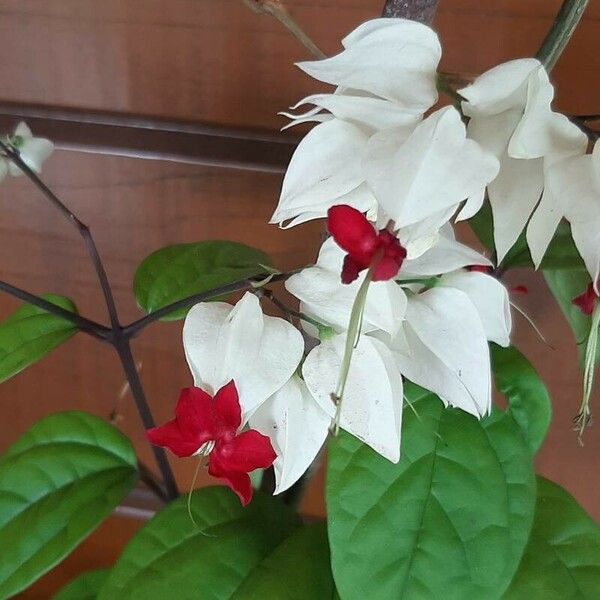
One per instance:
(365, 246)
(207, 425)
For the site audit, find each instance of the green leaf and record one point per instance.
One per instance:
(526, 395)
(30, 333)
(172, 558)
(176, 272)
(450, 520)
(57, 483)
(564, 286)
(298, 569)
(561, 253)
(84, 587)
(562, 558)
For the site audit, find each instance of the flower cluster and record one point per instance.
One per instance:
(393, 295)
(32, 150)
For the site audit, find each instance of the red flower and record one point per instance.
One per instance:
(209, 426)
(364, 244)
(480, 269)
(586, 301)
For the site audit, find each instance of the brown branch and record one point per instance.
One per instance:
(422, 11)
(277, 10)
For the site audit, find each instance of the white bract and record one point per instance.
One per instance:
(224, 342)
(572, 191)
(510, 116)
(33, 150)
(373, 73)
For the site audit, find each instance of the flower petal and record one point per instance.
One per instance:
(170, 436)
(195, 415)
(297, 428)
(368, 111)
(246, 452)
(260, 353)
(227, 407)
(326, 299)
(435, 168)
(372, 403)
(489, 297)
(445, 256)
(352, 232)
(500, 88)
(449, 349)
(239, 483)
(325, 166)
(394, 59)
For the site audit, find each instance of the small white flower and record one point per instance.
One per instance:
(420, 173)
(395, 59)
(510, 116)
(297, 427)
(572, 191)
(224, 342)
(34, 151)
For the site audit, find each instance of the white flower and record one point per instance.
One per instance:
(420, 173)
(34, 151)
(395, 59)
(511, 117)
(444, 349)
(324, 297)
(572, 191)
(297, 427)
(372, 402)
(224, 342)
(386, 78)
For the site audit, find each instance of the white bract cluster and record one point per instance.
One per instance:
(379, 147)
(32, 150)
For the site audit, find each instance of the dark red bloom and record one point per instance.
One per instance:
(480, 268)
(209, 426)
(364, 244)
(586, 301)
(519, 289)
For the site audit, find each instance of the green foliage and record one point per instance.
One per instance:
(30, 333)
(298, 569)
(450, 520)
(526, 395)
(176, 272)
(564, 286)
(171, 557)
(562, 558)
(57, 483)
(84, 587)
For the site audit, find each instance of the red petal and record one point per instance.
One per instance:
(170, 436)
(195, 415)
(480, 268)
(248, 451)
(238, 482)
(227, 408)
(586, 301)
(519, 289)
(353, 233)
(387, 268)
(350, 269)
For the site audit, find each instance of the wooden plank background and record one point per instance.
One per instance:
(216, 62)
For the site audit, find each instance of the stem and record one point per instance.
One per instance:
(277, 10)
(416, 10)
(151, 482)
(86, 325)
(561, 31)
(82, 228)
(114, 335)
(132, 329)
(291, 312)
(123, 349)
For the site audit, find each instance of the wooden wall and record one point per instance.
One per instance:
(213, 61)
